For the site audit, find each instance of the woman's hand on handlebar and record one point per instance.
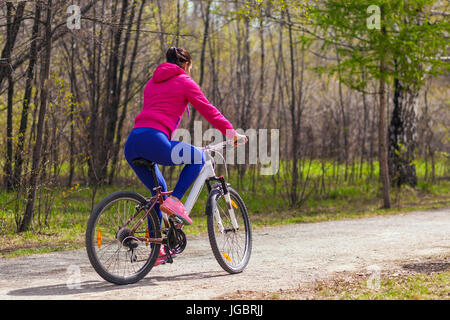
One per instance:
(239, 139)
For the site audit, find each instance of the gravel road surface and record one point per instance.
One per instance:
(283, 257)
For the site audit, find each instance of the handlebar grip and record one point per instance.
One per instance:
(240, 141)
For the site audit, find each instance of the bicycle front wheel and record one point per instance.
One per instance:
(114, 250)
(231, 247)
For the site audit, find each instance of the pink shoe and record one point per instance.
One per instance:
(173, 207)
(162, 257)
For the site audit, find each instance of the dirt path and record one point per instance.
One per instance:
(283, 258)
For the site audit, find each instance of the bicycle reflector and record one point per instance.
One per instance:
(99, 238)
(147, 236)
(234, 204)
(226, 256)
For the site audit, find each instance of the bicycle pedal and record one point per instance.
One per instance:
(177, 223)
(168, 260)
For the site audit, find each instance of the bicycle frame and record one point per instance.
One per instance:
(206, 173)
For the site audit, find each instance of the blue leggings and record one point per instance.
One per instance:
(154, 145)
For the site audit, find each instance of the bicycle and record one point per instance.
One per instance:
(123, 249)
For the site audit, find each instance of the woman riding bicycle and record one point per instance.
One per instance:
(166, 97)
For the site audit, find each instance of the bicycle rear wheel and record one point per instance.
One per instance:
(114, 252)
(232, 248)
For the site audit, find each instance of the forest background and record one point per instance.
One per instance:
(359, 91)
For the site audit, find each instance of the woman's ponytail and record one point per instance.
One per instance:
(178, 56)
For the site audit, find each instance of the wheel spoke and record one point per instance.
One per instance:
(233, 246)
(114, 259)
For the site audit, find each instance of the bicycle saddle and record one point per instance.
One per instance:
(144, 162)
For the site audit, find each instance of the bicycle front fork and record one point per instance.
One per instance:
(230, 205)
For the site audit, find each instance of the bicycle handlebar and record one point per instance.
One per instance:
(221, 145)
(217, 147)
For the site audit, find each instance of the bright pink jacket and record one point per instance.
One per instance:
(167, 95)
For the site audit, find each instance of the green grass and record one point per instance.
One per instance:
(62, 213)
(434, 286)
(428, 279)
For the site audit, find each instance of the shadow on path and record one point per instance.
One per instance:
(427, 267)
(104, 286)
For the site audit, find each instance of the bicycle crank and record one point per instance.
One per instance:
(176, 240)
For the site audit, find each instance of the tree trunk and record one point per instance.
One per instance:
(177, 39)
(295, 112)
(94, 77)
(71, 118)
(402, 136)
(206, 17)
(9, 115)
(364, 132)
(6, 68)
(345, 126)
(44, 88)
(244, 119)
(118, 131)
(111, 103)
(18, 158)
(9, 135)
(382, 136)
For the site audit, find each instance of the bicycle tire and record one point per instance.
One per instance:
(222, 257)
(98, 266)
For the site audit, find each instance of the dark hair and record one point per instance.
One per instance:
(178, 56)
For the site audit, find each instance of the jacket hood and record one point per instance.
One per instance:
(166, 71)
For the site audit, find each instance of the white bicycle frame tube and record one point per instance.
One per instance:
(208, 172)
